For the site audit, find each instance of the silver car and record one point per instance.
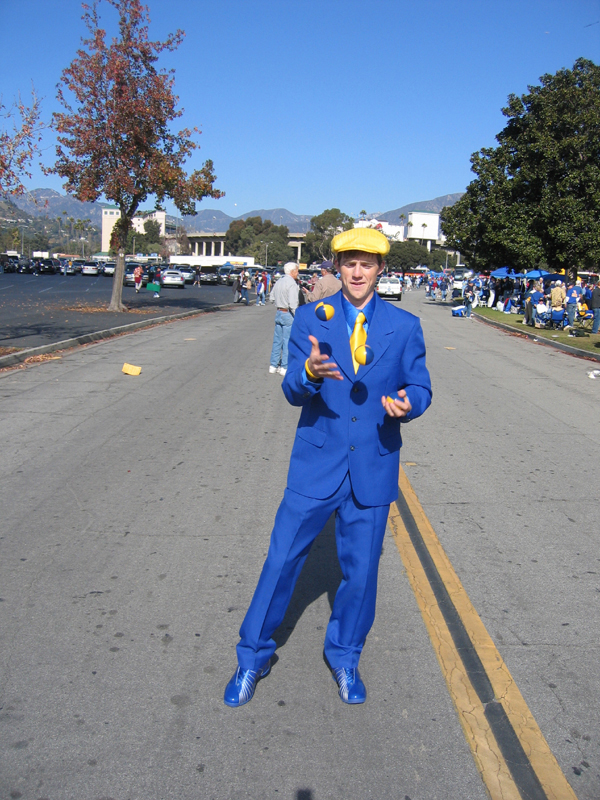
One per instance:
(172, 277)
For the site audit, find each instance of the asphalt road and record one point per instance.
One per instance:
(39, 310)
(137, 512)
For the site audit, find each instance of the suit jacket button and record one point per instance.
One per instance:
(351, 447)
(353, 419)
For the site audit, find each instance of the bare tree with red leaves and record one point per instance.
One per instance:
(19, 143)
(115, 140)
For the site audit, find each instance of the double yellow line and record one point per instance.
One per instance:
(508, 747)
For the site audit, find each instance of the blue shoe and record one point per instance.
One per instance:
(240, 689)
(352, 689)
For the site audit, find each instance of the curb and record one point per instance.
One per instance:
(573, 351)
(13, 359)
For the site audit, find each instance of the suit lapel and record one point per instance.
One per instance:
(335, 333)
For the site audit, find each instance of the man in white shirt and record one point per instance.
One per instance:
(285, 296)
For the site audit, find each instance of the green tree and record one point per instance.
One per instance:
(536, 196)
(152, 228)
(259, 239)
(406, 255)
(323, 227)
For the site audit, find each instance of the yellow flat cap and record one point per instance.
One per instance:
(366, 239)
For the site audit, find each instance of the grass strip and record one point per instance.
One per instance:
(587, 342)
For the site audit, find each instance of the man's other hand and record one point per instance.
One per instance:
(397, 407)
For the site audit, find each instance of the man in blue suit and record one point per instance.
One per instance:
(357, 370)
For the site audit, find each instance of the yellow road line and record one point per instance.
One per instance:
(485, 748)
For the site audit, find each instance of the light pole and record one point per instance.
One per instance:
(133, 254)
(267, 254)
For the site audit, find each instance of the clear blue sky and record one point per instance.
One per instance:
(311, 104)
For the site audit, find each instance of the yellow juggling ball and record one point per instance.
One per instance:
(364, 354)
(324, 312)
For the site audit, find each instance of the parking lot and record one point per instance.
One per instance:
(39, 310)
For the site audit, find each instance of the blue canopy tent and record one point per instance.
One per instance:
(506, 272)
(536, 273)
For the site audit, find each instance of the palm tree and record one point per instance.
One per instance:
(363, 214)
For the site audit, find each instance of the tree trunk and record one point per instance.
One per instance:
(116, 303)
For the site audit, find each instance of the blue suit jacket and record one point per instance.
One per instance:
(343, 426)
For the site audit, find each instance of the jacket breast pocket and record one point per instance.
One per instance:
(312, 435)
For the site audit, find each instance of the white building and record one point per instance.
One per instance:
(395, 233)
(424, 226)
(110, 214)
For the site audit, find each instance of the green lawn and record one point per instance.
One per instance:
(587, 342)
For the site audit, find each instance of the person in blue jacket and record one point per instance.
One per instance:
(354, 400)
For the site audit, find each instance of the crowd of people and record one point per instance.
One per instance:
(535, 299)
(560, 301)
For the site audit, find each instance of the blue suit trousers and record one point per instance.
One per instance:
(359, 532)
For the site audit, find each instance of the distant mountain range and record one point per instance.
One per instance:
(49, 203)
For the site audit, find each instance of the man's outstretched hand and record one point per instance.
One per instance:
(319, 365)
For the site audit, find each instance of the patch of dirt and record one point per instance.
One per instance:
(88, 308)
(6, 351)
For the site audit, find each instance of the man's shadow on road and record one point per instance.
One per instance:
(320, 575)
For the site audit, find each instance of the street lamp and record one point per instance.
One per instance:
(267, 254)
(133, 246)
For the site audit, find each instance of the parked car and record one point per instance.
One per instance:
(233, 275)
(389, 286)
(26, 266)
(109, 268)
(189, 273)
(223, 274)
(129, 280)
(48, 266)
(172, 277)
(8, 263)
(68, 268)
(208, 275)
(89, 268)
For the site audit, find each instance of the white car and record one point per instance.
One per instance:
(89, 268)
(389, 286)
(172, 277)
(109, 268)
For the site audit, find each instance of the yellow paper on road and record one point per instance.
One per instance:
(129, 369)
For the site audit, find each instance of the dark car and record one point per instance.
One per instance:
(9, 263)
(48, 266)
(26, 266)
(208, 275)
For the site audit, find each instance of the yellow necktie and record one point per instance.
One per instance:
(358, 338)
